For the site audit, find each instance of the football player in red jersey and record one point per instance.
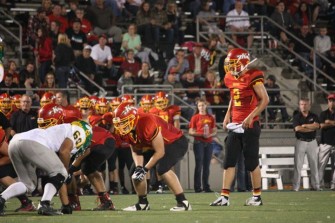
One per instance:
(170, 114)
(248, 99)
(149, 133)
(46, 98)
(145, 104)
(7, 106)
(16, 100)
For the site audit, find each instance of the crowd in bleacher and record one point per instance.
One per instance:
(123, 42)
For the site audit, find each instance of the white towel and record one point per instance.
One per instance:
(235, 127)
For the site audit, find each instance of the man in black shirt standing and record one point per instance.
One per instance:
(305, 124)
(327, 145)
(24, 119)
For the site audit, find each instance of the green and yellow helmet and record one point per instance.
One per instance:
(82, 134)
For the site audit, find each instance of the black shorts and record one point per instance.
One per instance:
(247, 142)
(7, 171)
(112, 160)
(173, 153)
(98, 156)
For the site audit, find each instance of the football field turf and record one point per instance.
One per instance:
(283, 207)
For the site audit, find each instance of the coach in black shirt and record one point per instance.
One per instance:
(24, 119)
(305, 124)
(327, 144)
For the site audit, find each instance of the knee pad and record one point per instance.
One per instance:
(57, 180)
(251, 165)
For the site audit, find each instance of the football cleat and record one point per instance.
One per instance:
(2, 206)
(138, 207)
(46, 209)
(26, 206)
(254, 201)
(105, 206)
(160, 190)
(183, 206)
(221, 201)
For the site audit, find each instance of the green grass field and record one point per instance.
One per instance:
(283, 207)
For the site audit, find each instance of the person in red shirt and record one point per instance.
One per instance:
(148, 133)
(56, 16)
(202, 128)
(248, 99)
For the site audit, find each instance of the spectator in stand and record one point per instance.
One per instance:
(132, 6)
(214, 43)
(180, 64)
(28, 70)
(49, 82)
(86, 25)
(238, 21)
(54, 32)
(322, 44)
(12, 69)
(302, 16)
(125, 79)
(171, 80)
(209, 23)
(284, 19)
(174, 18)
(303, 51)
(77, 37)
(330, 68)
(202, 127)
(57, 16)
(8, 83)
(43, 53)
(47, 7)
(103, 59)
(229, 5)
(144, 24)
(193, 88)
(305, 124)
(71, 15)
(214, 96)
(131, 63)
(162, 26)
(38, 21)
(145, 76)
(131, 40)
(30, 85)
(63, 59)
(103, 21)
(86, 64)
(275, 99)
(257, 7)
(197, 62)
(24, 119)
(327, 145)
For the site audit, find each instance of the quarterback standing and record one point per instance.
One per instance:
(248, 99)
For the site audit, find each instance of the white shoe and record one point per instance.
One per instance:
(160, 190)
(138, 207)
(332, 187)
(254, 201)
(221, 201)
(184, 206)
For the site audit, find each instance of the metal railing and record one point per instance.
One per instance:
(265, 35)
(17, 37)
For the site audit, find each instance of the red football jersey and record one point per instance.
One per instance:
(242, 94)
(198, 123)
(147, 128)
(71, 114)
(168, 114)
(100, 135)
